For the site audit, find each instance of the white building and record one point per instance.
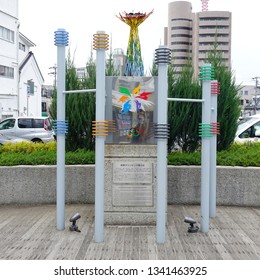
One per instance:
(193, 35)
(20, 77)
(250, 100)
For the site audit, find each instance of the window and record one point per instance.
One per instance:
(181, 50)
(181, 35)
(7, 124)
(212, 43)
(38, 123)
(181, 28)
(181, 57)
(184, 19)
(44, 107)
(22, 47)
(25, 123)
(33, 123)
(7, 72)
(6, 34)
(214, 27)
(213, 18)
(180, 43)
(210, 35)
(250, 132)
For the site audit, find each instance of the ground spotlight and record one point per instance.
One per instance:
(73, 220)
(191, 221)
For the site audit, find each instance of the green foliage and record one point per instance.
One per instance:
(27, 147)
(183, 117)
(184, 158)
(80, 156)
(110, 67)
(27, 153)
(80, 107)
(236, 155)
(247, 154)
(228, 100)
(45, 154)
(154, 69)
(53, 106)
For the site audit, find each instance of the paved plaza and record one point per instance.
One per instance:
(29, 232)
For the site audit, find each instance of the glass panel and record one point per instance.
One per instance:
(38, 123)
(131, 104)
(25, 123)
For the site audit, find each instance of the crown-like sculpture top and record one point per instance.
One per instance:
(134, 64)
(134, 18)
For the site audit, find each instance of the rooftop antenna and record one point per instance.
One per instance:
(205, 5)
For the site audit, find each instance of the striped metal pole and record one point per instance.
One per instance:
(162, 59)
(61, 41)
(215, 90)
(206, 73)
(100, 44)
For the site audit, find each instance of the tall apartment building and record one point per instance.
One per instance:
(193, 35)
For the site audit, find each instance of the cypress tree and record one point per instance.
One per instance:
(228, 100)
(184, 117)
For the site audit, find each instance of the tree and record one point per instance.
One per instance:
(80, 107)
(183, 117)
(228, 100)
(110, 67)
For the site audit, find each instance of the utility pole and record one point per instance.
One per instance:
(54, 73)
(256, 86)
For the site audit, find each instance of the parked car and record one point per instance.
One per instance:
(35, 129)
(248, 129)
(10, 139)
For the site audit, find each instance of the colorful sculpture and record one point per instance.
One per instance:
(134, 63)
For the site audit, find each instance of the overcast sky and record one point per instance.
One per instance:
(82, 18)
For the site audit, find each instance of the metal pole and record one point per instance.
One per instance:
(185, 100)
(205, 150)
(213, 149)
(162, 59)
(100, 44)
(61, 40)
(80, 91)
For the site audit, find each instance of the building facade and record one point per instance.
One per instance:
(190, 36)
(20, 77)
(249, 100)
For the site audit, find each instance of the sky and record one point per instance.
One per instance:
(39, 19)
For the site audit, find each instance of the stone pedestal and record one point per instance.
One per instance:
(130, 184)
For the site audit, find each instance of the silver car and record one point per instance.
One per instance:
(248, 130)
(10, 139)
(35, 129)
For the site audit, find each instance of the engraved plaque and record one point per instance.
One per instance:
(138, 172)
(132, 195)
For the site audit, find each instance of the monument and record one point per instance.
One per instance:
(130, 152)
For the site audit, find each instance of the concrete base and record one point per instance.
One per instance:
(236, 186)
(130, 184)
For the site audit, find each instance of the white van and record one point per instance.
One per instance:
(35, 129)
(248, 130)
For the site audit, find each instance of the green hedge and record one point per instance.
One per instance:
(45, 154)
(40, 154)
